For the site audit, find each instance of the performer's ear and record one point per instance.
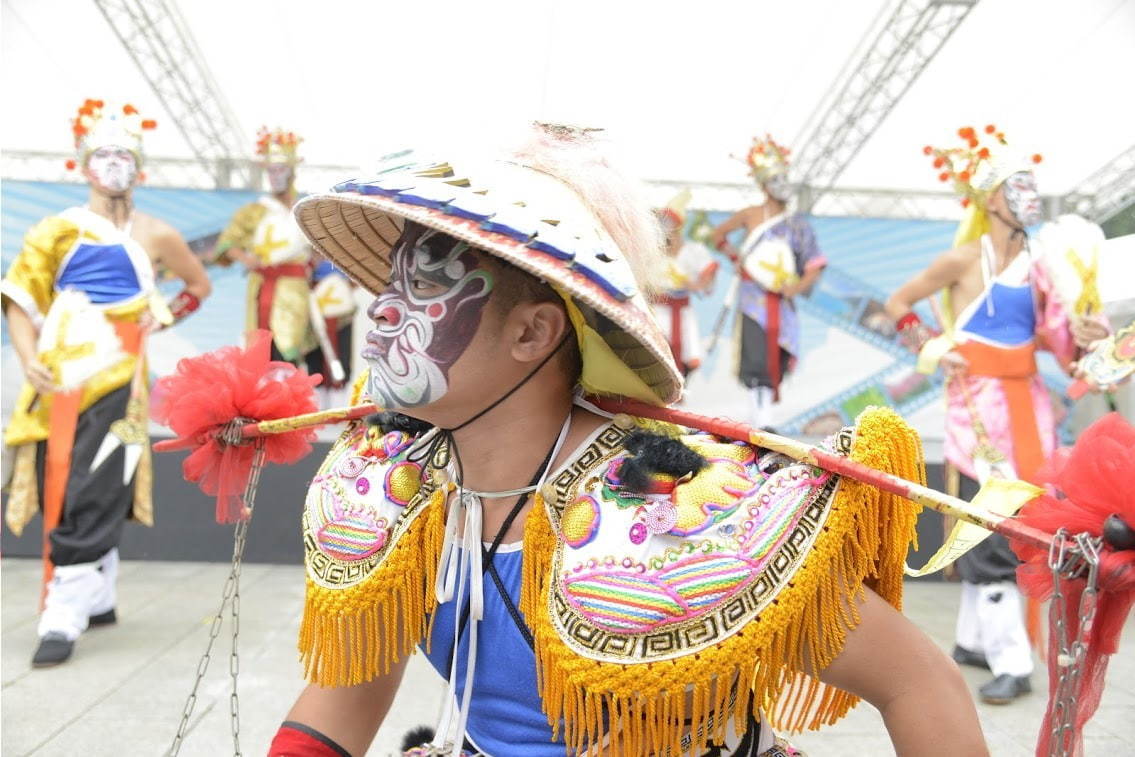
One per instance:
(542, 326)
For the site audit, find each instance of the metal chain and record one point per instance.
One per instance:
(231, 592)
(1074, 557)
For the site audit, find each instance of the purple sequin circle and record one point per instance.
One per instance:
(638, 533)
(362, 486)
(352, 466)
(661, 518)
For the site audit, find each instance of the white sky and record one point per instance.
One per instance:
(680, 85)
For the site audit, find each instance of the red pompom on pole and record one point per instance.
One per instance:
(209, 392)
(1092, 482)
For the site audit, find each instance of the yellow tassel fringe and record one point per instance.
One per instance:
(348, 636)
(644, 707)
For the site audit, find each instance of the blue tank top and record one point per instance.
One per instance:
(505, 717)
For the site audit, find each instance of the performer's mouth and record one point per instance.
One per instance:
(376, 346)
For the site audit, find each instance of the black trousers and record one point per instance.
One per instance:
(754, 369)
(993, 560)
(96, 503)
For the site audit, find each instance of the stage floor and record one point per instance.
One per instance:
(124, 690)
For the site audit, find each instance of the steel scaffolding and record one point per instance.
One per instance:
(157, 38)
(875, 78)
(1107, 191)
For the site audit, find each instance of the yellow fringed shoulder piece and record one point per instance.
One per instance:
(659, 638)
(372, 538)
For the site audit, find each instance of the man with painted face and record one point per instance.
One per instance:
(264, 238)
(777, 260)
(584, 582)
(80, 300)
(999, 305)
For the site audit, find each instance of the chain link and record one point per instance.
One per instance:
(231, 594)
(1072, 558)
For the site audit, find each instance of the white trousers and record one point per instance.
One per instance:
(760, 406)
(991, 621)
(76, 592)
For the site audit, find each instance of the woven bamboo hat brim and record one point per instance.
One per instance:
(523, 216)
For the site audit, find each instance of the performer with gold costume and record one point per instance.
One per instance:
(689, 271)
(586, 583)
(80, 301)
(778, 260)
(1000, 305)
(264, 238)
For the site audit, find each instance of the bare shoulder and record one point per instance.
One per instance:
(959, 259)
(156, 235)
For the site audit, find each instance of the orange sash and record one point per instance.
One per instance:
(57, 466)
(1015, 367)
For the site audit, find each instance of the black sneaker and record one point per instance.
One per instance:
(53, 649)
(103, 618)
(1004, 689)
(961, 655)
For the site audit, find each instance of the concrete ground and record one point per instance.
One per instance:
(124, 691)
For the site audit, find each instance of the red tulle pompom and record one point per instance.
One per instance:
(208, 391)
(944, 176)
(149, 123)
(71, 164)
(965, 202)
(927, 150)
(1092, 481)
(129, 109)
(1037, 158)
(990, 128)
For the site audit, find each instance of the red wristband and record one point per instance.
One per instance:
(183, 304)
(909, 320)
(299, 740)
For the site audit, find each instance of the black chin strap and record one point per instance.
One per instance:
(1018, 230)
(443, 447)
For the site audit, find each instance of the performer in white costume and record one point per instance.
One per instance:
(778, 260)
(690, 270)
(264, 238)
(80, 300)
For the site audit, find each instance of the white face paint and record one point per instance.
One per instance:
(1023, 198)
(112, 169)
(279, 177)
(778, 187)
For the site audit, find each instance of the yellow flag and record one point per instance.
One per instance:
(998, 495)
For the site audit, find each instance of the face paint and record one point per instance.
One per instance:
(113, 169)
(1022, 198)
(425, 319)
(778, 187)
(279, 177)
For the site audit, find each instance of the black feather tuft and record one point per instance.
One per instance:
(417, 737)
(652, 454)
(387, 422)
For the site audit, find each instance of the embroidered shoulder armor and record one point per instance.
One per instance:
(710, 597)
(371, 527)
(356, 502)
(642, 577)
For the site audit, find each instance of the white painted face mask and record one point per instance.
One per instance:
(279, 177)
(1023, 198)
(778, 187)
(114, 169)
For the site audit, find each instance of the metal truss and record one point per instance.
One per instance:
(1107, 191)
(189, 173)
(840, 201)
(872, 82)
(157, 38)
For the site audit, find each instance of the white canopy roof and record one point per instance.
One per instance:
(681, 86)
